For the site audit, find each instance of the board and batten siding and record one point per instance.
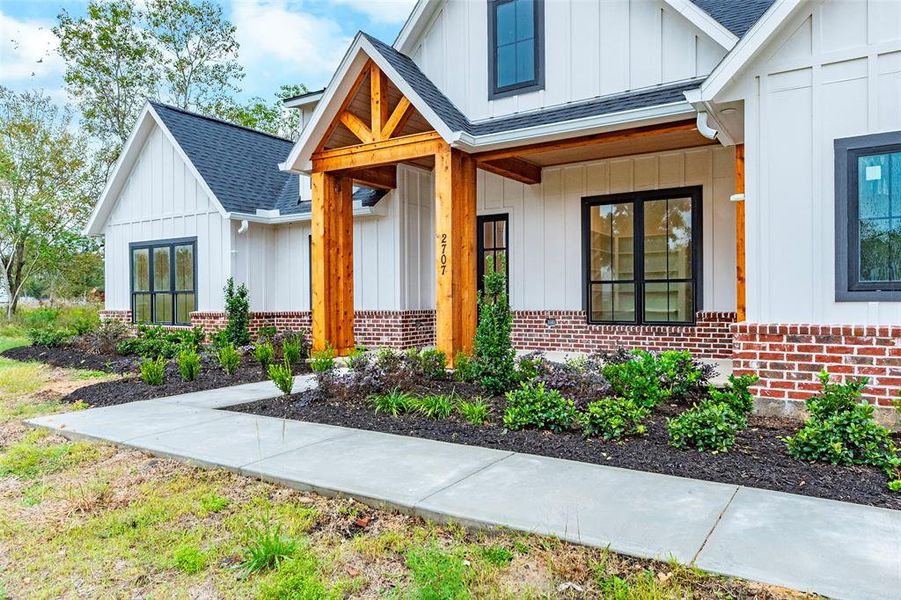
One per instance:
(834, 71)
(163, 200)
(545, 223)
(591, 49)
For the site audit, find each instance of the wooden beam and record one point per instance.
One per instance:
(399, 116)
(356, 126)
(384, 152)
(378, 99)
(332, 263)
(380, 178)
(587, 140)
(740, 281)
(513, 168)
(347, 100)
(455, 252)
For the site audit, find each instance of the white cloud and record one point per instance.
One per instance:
(282, 45)
(28, 51)
(381, 11)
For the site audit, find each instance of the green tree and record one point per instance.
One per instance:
(199, 52)
(271, 117)
(47, 187)
(494, 357)
(111, 69)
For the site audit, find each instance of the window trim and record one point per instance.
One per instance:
(170, 243)
(847, 246)
(495, 92)
(638, 198)
(480, 246)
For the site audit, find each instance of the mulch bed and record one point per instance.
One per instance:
(70, 358)
(758, 459)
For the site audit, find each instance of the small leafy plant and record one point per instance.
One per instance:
(475, 411)
(436, 406)
(264, 353)
(292, 349)
(51, 337)
(153, 370)
(282, 376)
(708, 426)
(533, 406)
(357, 359)
(265, 548)
(189, 559)
(188, 364)
(229, 358)
(431, 363)
(493, 355)
(637, 379)
(615, 418)
(323, 360)
(394, 403)
(237, 313)
(464, 368)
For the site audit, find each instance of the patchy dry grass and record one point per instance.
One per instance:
(87, 520)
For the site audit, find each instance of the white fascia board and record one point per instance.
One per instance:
(700, 19)
(306, 100)
(746, 49)
(584, 126)
(415, 24)
(359, 212)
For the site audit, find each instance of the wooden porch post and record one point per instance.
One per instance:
(455, 252)
(332, 278)
(740, 294)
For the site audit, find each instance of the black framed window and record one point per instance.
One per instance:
(515, 46)
(163, 281)
(492, 241)
(642, 257)
(868, 217)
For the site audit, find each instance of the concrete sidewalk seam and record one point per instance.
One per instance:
(719, 518)
(462, 479)
(341, 435)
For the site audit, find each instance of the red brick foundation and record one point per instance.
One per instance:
(788, 358)
(568, 331)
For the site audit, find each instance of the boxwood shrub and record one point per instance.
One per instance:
(614, 418)
(533, 406)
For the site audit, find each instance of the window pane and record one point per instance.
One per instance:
(161, 269)
(500, 256)
(874, 181)
(612, 242)
(487, 234)
(879, 209)
(184, 267)
(142, 308)
(876, 250)
(163, 308)
(506, 23)
(506, 65)
(141, 270)
(500, 238)
(613, 302)
(655, 255)
(667, 231)
(668, 302)
(184, 304)
(525, 61)
(525, 19)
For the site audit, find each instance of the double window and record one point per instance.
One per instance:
(868, 217)
(642, 257)
(163, 282)
(516, 46)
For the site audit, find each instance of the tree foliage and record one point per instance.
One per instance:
(271, 117)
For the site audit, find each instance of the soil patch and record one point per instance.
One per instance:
(70, 358)
(758, 459)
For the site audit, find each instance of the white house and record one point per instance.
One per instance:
(717, 176)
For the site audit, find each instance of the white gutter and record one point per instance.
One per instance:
(359, 212)
(304, 100)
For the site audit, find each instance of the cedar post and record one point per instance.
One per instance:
(455, 252)
(740, 294)
(332, 263)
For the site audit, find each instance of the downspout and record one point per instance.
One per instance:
(703, 128)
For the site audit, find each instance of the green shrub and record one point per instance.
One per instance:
(189, 559)
(267, 332)
(493, 355)
(153, 370)
(264, 353)
(237, 313)
(737, 395)
(895, 485)
(706, 426)
(323, 360)
(637, 379)
(265, 548)
(155, 342)
(41, 318)
(436, 406)
(431, 363)
(841, 430)
(678, 372)
(282, 376)
(229, 358)
(357, 359)
(394, 402)
(615, 418)
(475, 411)
(388, 359)
(533, 406)
(84, 322)
(188, 364)
(527, 367)
(292, 348)
(464, 368)
(50, 337)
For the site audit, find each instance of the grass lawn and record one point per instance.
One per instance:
(83, 519)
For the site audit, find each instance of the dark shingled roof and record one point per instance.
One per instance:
(456, 121)
(240, 165)
(738, 16)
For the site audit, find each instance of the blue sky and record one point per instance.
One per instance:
(282, 41)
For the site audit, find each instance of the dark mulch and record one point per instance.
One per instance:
(132, 388)
(758, 459)
(70, 358)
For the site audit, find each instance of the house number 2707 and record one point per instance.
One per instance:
(443, 259)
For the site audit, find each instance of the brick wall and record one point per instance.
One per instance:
(788, 358)
(568, 331)
(397, 329)
(116, 315)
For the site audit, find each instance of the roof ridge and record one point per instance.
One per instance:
(218, 120)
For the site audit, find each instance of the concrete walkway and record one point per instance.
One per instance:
(831, 548)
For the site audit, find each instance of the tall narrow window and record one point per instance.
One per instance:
(492, 241)
(642, 257)
(516, 46)
(868, 217)
(163, 282)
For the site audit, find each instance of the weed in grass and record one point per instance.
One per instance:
(29, 459)
(3, 594)
(213, 503)
(394, 402)
(297, 578)
(34, 494)
(475, 411)
(381, 545)
(189, 559)
(496, 555)
(265, 548)
(436, 406)
(18, 378)
(437, 574)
